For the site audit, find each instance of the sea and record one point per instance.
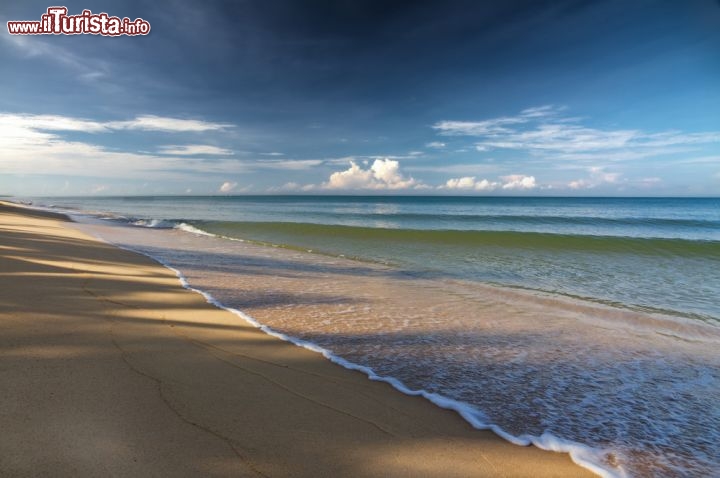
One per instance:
(584, 325)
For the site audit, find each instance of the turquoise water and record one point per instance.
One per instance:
(654, 254)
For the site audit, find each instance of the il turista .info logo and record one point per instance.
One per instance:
(56, 21)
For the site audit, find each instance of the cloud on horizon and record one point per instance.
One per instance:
(385, 175)
(382, 174)
(517, 182)
(227, 187)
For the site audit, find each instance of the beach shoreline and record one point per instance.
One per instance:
(119, 370)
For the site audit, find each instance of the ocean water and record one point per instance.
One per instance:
(590, 325)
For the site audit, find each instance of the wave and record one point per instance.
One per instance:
(606, 267)
(189, 228)
(512, 219)
(154, 223)
(504, 239)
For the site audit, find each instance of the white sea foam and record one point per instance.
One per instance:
(194, 230)
(154, 223)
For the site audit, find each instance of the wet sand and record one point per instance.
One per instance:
(109, 367)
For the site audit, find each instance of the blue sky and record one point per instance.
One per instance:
(381, 97)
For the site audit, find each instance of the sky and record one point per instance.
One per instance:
(556, 98)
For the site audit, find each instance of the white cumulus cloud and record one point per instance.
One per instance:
(519, 181)
(293, 187)
(470, 183)
(227, 186)
(382, 174)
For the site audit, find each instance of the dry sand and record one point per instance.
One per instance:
(108, 367)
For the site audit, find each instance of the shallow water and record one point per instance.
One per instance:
(654, 254)
(632, 392)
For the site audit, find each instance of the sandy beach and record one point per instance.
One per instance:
(108, 367)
